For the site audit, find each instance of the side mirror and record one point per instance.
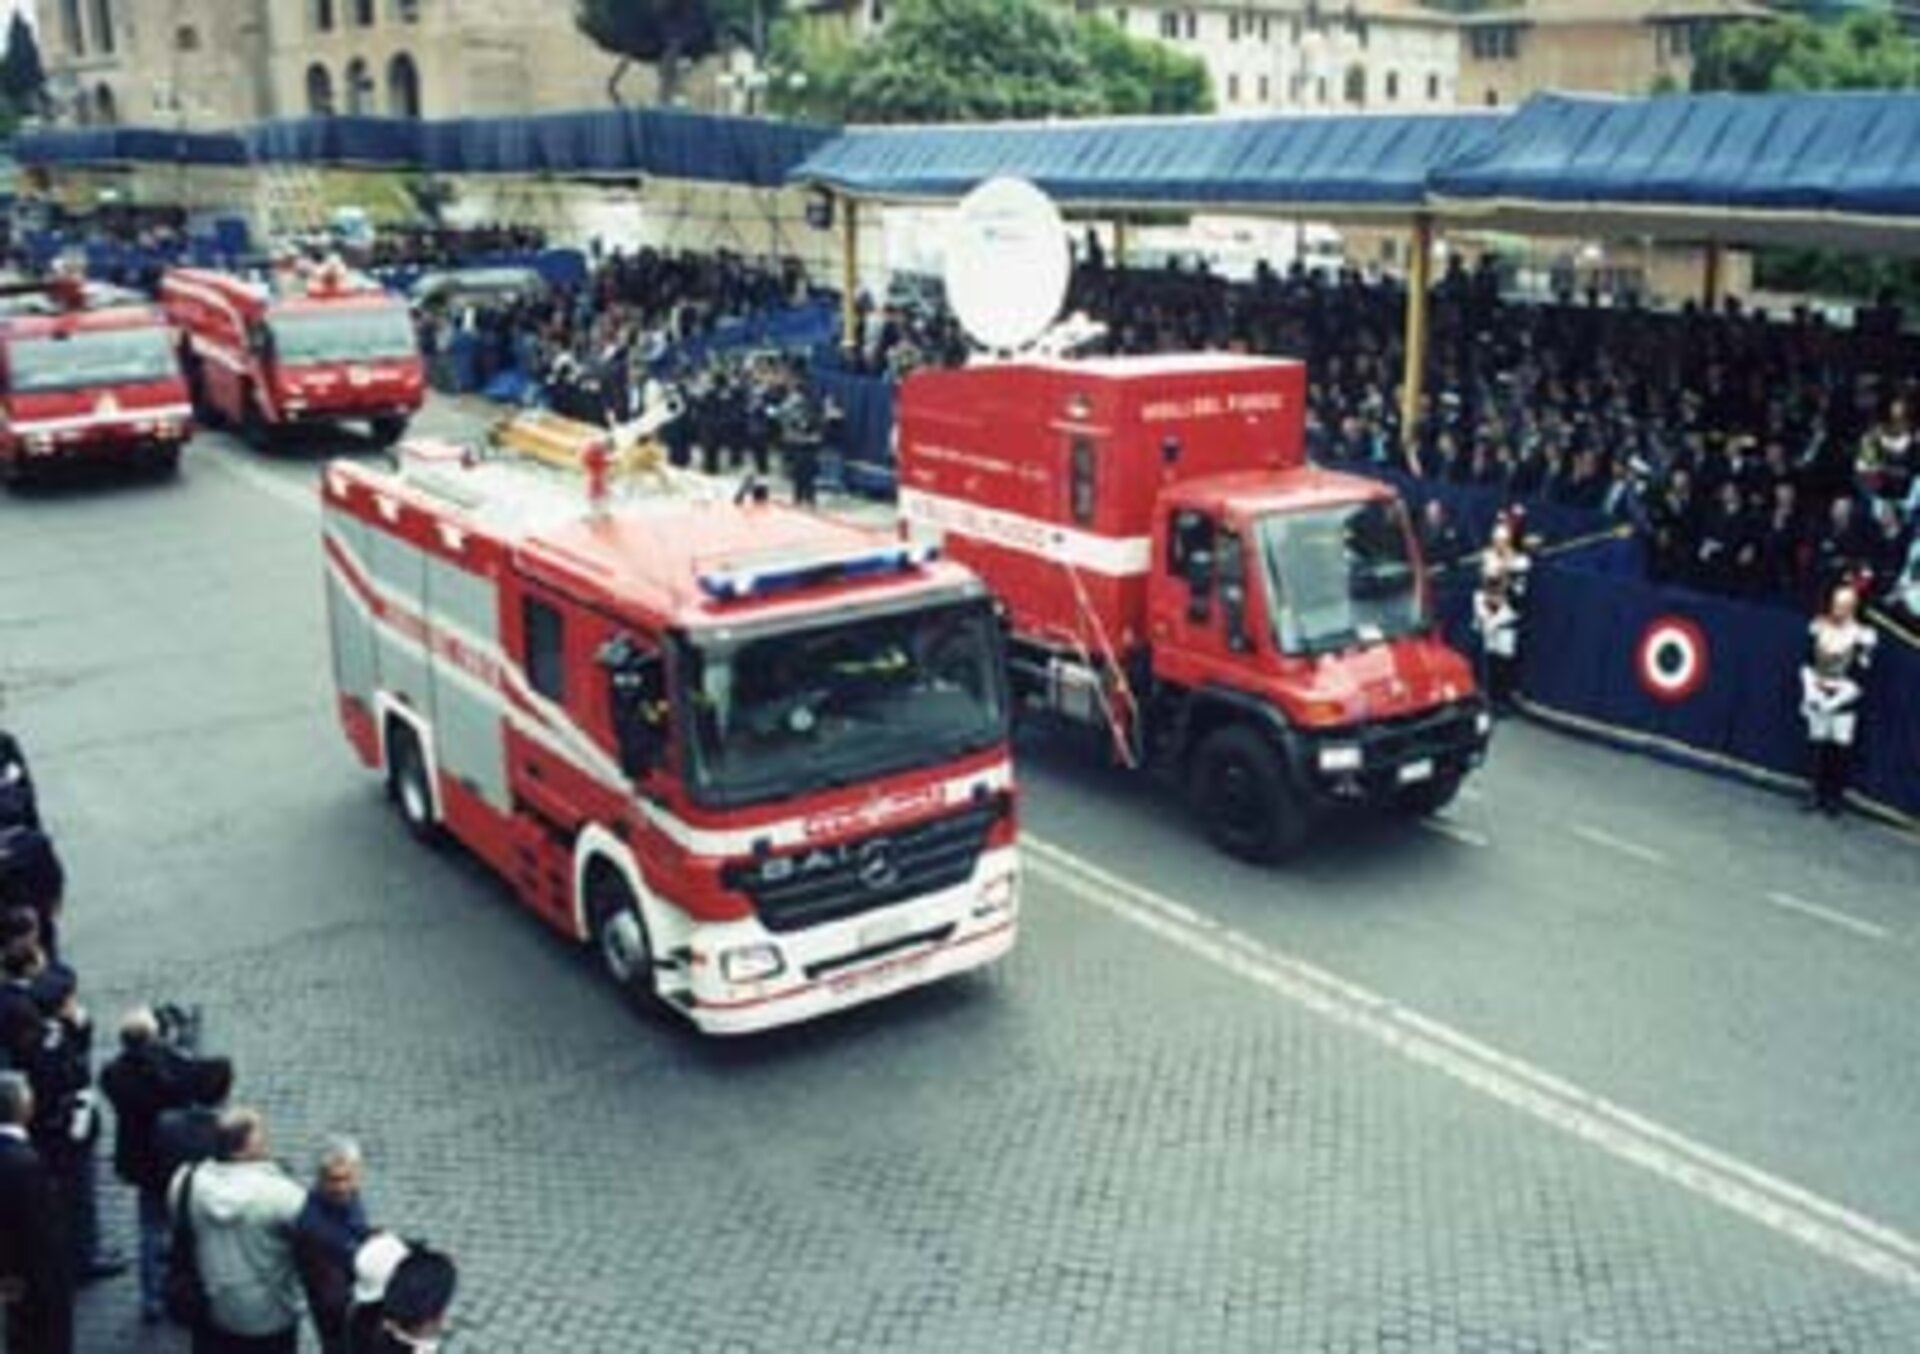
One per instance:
(260, 341)
(1233, 593)
(1199, 585)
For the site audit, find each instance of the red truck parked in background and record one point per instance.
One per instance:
(86, 377)
(1173, 570)
(325, 346)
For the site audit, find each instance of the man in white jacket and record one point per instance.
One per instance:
(241, 1210)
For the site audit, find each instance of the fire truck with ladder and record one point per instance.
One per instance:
(319, 346)
(87, 376)
(1175, 573)
(756, 759)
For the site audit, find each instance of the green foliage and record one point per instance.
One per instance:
(23, 80)
(981, 61)
(1865, 51)
(666, 34)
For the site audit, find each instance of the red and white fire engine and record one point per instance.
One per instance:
(86, 376)
(323, 345)
(756, 758)
(1173, 570)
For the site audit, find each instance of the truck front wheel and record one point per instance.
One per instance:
(387, 431)
(255, 431)
(407, 782)
(620, 934)
(1246, 802)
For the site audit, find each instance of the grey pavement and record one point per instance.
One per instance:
(1109, 1142)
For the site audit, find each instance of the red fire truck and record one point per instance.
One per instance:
(1172, 570)
(321, 347)
(86, 377)
(756, 758)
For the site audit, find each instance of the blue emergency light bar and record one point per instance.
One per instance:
(788, 573)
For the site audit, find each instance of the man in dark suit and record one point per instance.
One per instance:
(18, 806)
(36, 1285)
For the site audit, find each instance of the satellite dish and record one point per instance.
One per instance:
(1008, 264)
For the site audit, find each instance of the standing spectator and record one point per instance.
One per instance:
(19, 807)
(241, 1219)
(414, 1310)
(151, 1078)
(31, 876)
(1830, 686)
(36, 1286)
(1504, 568)
(67, 1127)
(1441, 543)
(373, 1266)
(326, 1236)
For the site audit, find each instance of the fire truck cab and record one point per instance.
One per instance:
(1173, 571)
(755, 758)
(323, 346)
(87, 378)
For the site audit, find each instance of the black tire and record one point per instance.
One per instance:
(164, 462)
(387, 431)
(204, 412)
(619, 934)
(1246, 802)
(1429, 797)
(255, 431)
(408, 784)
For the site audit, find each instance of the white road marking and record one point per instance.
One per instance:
(1827, 1228)
(1473, 794)
(296, 494)
(1600, 837)
(1452, 831)
(1831, 915)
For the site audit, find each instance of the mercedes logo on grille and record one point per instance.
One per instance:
(877, 868)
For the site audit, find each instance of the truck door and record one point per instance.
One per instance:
(1202, 621)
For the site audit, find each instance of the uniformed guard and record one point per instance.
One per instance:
(1497, 603)
(1830, 689)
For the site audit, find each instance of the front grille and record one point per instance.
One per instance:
(1448, 732)
(826, 883)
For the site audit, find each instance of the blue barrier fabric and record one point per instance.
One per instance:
(867, 402)
(1346, 161)
(126, 145)
(1590, 655)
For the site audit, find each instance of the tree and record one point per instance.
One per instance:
(1865, 51)
(23, 80)
(1138, 76)
(666, 34)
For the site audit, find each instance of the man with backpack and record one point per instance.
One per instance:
(235, 1217)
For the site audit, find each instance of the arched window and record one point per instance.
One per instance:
(403, 87)
(100, 15)
(359, 89)
(106, 109)
(71, 34)
(322, 14)
(319, 91)
(1356, 84)
(363, 13)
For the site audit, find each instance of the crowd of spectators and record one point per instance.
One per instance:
(428, 246)
(233, 1246)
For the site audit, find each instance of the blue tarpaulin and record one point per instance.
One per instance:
(1832, 168)
(1343, 163)
(337, 140)
(127, 145)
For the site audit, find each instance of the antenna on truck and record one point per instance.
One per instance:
(1007, 265)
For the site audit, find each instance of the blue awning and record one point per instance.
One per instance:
(1338, 165)
(79, 148)
(376, 142)
(1830, 168)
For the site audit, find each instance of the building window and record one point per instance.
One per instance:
(1356, 92)
(1120, 20)
(546, 649)
(319, 91)
(1266, 29)
(1170, 25)
(102, 18)
(186, 38)
(1322, 90)
(1193, 26)
(359, 90)
(363, 13)
(1233, 28)
(403, 87)
(106, 109)
(1433, 89)
(1266, 90)
(1233, 89)
(406, 11)
(321, 12)
(1493, 98)
(71, 34)
(1393, 86)
(1500, 42)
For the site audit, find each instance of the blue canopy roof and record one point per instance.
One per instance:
(1838, 168)
(1335, 164)
(665, 143)
(128, 145)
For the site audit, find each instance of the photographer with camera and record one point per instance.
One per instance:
(66, 1127)
(157, 1073)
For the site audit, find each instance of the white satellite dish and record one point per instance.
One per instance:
(1008, 264)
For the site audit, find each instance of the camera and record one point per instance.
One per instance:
(180, 1026)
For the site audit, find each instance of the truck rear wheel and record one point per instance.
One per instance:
(254, 428)
(387, 431)
(620, 934)
(1245, 800)
(408, 784)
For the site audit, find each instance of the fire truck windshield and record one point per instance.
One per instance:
(1342, 577)
(90, 358)
(782, 713)
(348, 334)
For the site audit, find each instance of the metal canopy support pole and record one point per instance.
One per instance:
(1119, 242)
(1714, 285)
(849, 276)
(1412, 385)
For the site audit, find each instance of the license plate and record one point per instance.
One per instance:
(1415, 772)
(881, 976)
(359, 376)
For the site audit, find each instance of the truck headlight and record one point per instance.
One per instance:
(1345, 757)
(751, 963)
(40, 442)
(1483, 722)
(997, 895)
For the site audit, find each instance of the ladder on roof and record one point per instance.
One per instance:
(1119, 708)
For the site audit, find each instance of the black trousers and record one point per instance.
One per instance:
(210, 1341)
(1831, 763)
